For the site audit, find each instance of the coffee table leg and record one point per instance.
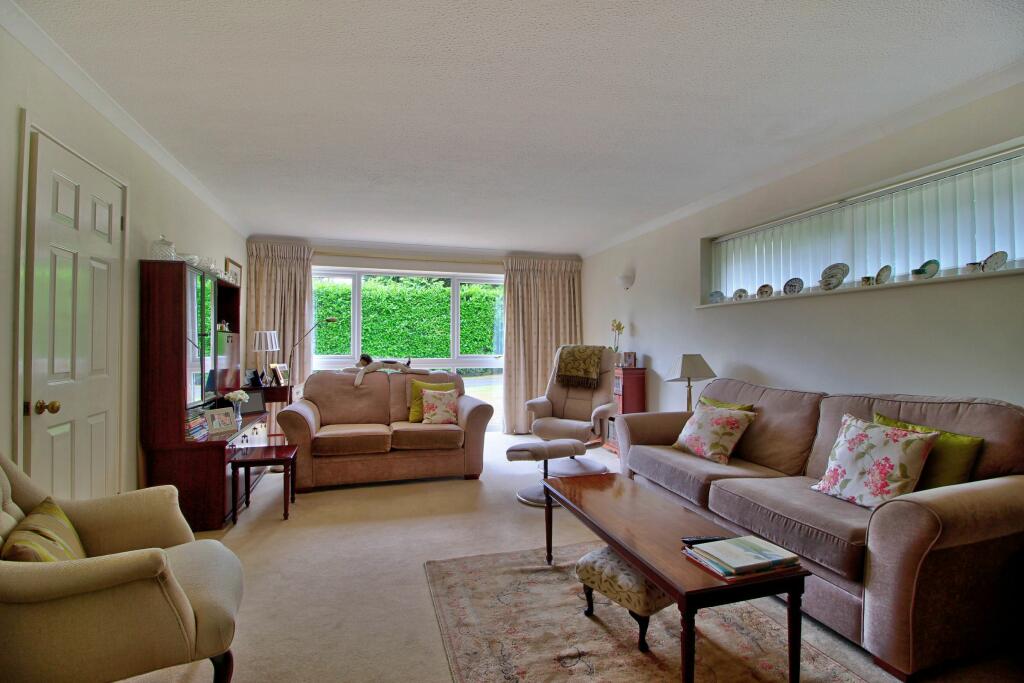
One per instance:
(688, 643)
(234, 495)
(248, 484)
(287, 489)
(794, 620)
(547, 524)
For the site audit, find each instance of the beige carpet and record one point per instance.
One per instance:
(511, 617)
(338, 592)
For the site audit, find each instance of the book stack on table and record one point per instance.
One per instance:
(736, 558)
(195, 427)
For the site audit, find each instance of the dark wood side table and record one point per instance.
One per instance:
(263, 456)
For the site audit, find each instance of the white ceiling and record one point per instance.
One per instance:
(542, 126)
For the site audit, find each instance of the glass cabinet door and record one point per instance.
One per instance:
(193, 336)
(209, 326)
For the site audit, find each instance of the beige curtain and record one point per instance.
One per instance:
(280, 297)
(542, 311)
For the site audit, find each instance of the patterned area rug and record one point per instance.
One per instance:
(510, 617)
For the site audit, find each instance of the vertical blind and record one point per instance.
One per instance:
(956, 218)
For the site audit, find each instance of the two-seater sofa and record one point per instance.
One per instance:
(348, 434)
(924, 578)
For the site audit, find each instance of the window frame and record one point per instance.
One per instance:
(455, 360)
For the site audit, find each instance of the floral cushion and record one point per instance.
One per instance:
(613, 577)
(712, 433)
(871, 463)
(440, 407)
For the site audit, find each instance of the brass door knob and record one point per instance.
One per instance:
(42, 406)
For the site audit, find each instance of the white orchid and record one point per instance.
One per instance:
(237, 396)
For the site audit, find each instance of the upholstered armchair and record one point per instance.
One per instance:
(575, 413)
(148, 596)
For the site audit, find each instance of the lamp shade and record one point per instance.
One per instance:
(691, 366)
(265, 340)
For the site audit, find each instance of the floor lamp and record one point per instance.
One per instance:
(690, 368)
(291, 353)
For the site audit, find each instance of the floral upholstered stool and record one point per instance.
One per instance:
(611, 576)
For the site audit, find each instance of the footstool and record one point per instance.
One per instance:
(541, 451)
(611, 576)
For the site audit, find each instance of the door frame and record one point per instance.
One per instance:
(22, 309)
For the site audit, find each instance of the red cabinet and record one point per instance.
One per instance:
(630, 389)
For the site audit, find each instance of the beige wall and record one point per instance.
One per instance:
(158, 203)
(962, 338)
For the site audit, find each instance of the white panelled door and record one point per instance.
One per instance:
(73, 278)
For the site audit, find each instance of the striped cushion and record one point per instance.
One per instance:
(45, 535)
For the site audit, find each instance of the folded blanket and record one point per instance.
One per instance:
(579, 366)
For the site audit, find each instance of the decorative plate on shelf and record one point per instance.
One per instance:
(740, 295)
(765, 291)
(833, 276)
(930, 267)
(794, 285)
(884, 274)
(994, 262)
(716, 297)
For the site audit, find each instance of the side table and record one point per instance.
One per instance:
(263, 456)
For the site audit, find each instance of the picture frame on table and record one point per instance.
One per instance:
(233, 269)
(280, 373)
(629, 359)
(220, 420)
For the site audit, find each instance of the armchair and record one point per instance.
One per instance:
(574, 413)
(148, 596)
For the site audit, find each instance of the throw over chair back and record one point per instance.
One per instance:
(575, 412)
(578, 403)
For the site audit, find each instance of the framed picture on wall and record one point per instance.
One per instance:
(233, 270)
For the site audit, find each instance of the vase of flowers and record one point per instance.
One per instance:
(237, 398)
(617, 329)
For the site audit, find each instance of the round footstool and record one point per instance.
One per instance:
(604, 571)
(541, 451)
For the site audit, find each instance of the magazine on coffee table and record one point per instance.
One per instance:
(735, 557)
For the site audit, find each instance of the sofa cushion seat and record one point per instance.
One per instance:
(351, 439)
(688, 475)
(786, 511)
(424, 436)
(211, 576)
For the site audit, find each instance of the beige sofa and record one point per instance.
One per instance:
(148, 596)
(350, 434)
(928, 577)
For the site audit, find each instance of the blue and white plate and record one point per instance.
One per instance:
(794, 285)
(833, 276)
(716, 297)
(930, 268)
(740, 295)
(994, 262)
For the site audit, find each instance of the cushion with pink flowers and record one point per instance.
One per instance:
(440, 407)
(712, 433)
(871, 463)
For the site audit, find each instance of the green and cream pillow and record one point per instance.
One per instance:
(45, 535)
(714, 403)
(951, 460)
(416, 396)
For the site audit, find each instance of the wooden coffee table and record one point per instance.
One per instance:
(644, 528)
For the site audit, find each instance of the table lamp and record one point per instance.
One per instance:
(691, 366)
(265, 341)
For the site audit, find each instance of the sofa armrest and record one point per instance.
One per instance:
(300, 422)
(600, 417)
(940, 557)
(147, 518)
(540, 407)
(651, 429)
(105, 618)
(473, 415)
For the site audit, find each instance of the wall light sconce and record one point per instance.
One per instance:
(627, 279)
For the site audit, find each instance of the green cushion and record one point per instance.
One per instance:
(416, 397)
(951, 460)
(748, 407)
(45, 535)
